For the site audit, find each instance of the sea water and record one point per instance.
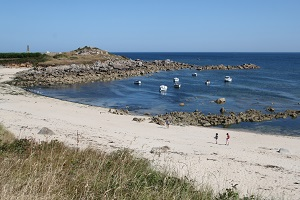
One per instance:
(275, 84)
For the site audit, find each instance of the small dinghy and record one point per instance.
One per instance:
(163, 88)
(175, 79)
(228, 79)
(207, 82)
(177, 85)
(137, 82)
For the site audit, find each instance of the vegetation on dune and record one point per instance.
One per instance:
(50, 170)
(19, 55)
(19, 58)
(84, 55)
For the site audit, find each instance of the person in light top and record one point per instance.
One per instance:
(227, 138)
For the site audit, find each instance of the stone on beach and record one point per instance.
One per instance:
(46, 131)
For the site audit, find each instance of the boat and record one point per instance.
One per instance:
(177, 85)
(207, 82)
(176, 79)
(228, 79)
(194, 74)
(163, 88)
(137, 82)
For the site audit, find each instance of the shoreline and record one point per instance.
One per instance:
(251, 160)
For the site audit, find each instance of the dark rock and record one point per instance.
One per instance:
(222, 110)
(270, 109)
(138, 119)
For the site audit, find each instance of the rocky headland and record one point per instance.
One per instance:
(105, 71)
(89, 64)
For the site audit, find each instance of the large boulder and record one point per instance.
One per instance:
(222, 110)
(46, 131)
(220, 100)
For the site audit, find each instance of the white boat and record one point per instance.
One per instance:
(137, 82)
(163, 88)
(176, 79)
(228, 79)
(177, 85)
(194, 74)
(207, 82)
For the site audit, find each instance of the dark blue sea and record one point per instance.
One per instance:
(275, 84)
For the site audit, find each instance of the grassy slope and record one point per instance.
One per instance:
(53, 171)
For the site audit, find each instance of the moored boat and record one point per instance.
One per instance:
(176, 79)
(194, 74)
(177, 85)
(163, 88)
(228, 79)
(137, 82)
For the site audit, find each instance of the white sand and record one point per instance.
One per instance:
(7, 74)
(251, 160)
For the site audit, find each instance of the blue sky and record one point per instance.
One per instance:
(151, 26)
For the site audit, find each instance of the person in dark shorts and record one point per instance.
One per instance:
(227, 138)
(216, 137)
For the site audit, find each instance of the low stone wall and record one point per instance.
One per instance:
(104, 71)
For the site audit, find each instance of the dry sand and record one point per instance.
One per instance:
(251, 162)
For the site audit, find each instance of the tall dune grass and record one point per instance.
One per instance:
(51, 170)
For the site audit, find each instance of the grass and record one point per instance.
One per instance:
(19, 58)
(72, 58)
(51, 170)
(66, 58)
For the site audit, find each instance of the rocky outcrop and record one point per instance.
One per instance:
(103, 71)
(119, 112)
(228, 67)
(220, 100)
(136, 119)
(197, 118)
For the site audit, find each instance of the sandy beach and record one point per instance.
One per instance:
(251, 162)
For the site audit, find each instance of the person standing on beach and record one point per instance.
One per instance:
(216, 137)
(227, 138)
(167, 123)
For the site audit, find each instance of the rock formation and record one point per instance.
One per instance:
(197, 118)
(112, 69)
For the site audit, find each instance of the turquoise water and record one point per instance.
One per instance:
(275, 84)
